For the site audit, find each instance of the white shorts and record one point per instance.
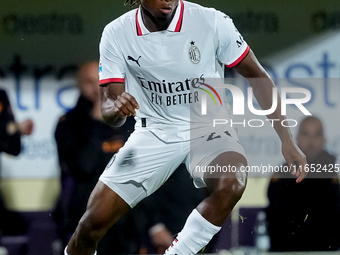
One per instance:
(145, 162)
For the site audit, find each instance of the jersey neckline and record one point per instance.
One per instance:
(175, 24)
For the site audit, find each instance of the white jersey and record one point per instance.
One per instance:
(161, 69)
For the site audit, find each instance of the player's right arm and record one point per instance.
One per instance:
(117, 104)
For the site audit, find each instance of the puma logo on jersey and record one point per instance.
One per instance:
(134, 60)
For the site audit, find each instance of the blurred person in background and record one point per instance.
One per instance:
(85, 146)
(10, 142)
(10, 130)
(311, 223)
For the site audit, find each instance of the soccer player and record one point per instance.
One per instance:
(151, 60)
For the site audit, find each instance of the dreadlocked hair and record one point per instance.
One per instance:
(131, 3)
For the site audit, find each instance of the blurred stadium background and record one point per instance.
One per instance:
(43, 42)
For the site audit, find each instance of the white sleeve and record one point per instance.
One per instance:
(231, 48)
(111, 64)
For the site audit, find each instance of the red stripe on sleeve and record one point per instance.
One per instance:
(239, 59)
(101, 82)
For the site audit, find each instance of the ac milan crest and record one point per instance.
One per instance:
(194, 53)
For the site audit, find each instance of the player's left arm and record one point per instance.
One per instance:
(262, 86)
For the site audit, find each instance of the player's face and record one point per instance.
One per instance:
(160, 9)
(88, 81)
(311, 139)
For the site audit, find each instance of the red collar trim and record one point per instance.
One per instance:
(178, 25)
(180, 20)
(139, 30)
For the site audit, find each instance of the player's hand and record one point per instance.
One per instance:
(115, 110)
(26, 127)
(125, 105)
(293, 154)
